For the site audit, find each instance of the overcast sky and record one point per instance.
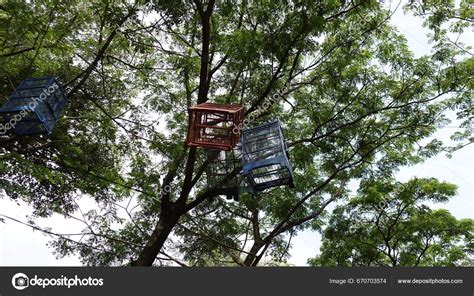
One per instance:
(20, 245)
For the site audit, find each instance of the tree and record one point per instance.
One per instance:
(389, 224)
(355, 103)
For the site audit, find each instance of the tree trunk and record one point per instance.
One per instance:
(249, 260)
(155, 243)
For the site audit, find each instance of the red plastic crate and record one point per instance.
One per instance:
(213, 125)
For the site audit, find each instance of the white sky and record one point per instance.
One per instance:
(21, 246)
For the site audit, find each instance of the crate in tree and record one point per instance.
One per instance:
(265, 157)
(222, 171)
(212, 125)
(35, 106)
(225, 172)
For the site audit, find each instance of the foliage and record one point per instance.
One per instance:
(391, 224)
(357, 105)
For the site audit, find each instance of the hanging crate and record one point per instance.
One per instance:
(213, 125)
(265, 157)
(225, 171)
(222, 167)
(35, 106)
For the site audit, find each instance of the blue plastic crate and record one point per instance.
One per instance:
(35, 106)
(265, 157)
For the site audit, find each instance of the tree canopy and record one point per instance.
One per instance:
(390, 224)
(357, 105)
